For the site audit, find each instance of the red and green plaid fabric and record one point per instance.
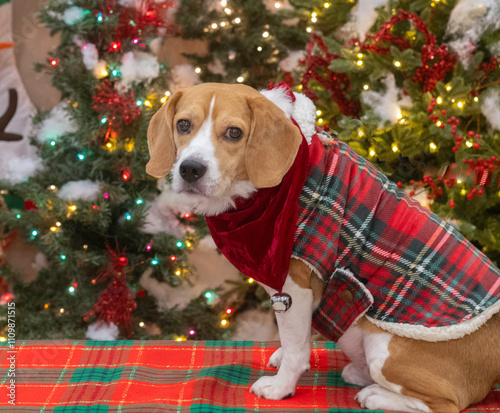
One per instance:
(404, 264)
(167, 376)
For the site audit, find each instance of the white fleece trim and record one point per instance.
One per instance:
(279, 97)
(302, 110)
(438, 333)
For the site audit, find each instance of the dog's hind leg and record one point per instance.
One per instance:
(295, 334)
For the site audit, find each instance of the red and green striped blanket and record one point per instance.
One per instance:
(167, 376)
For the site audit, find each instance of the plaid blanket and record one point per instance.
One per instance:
(167, 376)
(400, 263)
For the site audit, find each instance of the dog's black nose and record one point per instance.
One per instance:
(192, 170)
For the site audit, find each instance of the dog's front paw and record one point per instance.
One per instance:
(272, 388)
(358, 376)
(275, 359)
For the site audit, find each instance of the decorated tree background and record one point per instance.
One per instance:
(103, 227)
(414, 87)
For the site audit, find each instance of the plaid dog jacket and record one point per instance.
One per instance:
(382, 254)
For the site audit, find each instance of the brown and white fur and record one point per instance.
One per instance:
(399, 373)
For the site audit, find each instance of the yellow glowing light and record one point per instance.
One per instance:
(147, 103)
(250, 280)
(361, 134)
(448, 88)
(167, 93)
(129, 145)
(180, 338)
(75, 105)
(223, 3)
(265, 35)
(188, 244)
(277, 5)
(314, 19)
(61, 310)
(308, 30)
(109, 145)
(360, 55)
(141, 324)
(178, 273)
(439, 100)
(104, 73)
(3, 339)
(228, 11)
(224, 323)
(395, 148)
(469, 144)
(459, 181)
(439, 123)
(372, 152)
(237, 20)
(366, 87)
(58, 224)
(476, 99)
(460, 105)
(54, 229)
(463, 191)
(433, 146)
(240, 79)
(46, 305)
(320, 120)
(359, 63)
(223, 24)
(326, 5)
(397, 63)
(318, 112)
(299, 87)
(52, 187)
(399, 115)
(72, 208)
(163, 99)
(214, 25)
(197, 70)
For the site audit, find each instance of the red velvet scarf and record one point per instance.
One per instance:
(257, 235)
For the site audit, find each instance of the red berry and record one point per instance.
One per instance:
(454, 149)
(443, 112)
(476, 146)
(412, 182)
(400, 184)
(412, 193)
(480, 191)
(471, 133)
(452, 203)
(470, 195)
(430, 108)
(433, 101)
(478, 136)
(442, 126)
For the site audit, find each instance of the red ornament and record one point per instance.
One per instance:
(452, 203)
(337, 84)
(115, 106)
(470, 133)
(123, 261)
(141, 293)
(476, 145)
(399, 184)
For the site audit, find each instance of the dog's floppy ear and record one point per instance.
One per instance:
(272, 145)
(161, 139)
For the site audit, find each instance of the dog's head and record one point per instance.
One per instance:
(221, 141)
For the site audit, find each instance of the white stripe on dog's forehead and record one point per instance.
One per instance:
(201, 147)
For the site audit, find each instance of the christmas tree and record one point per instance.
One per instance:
(250, 42)
(414, 87)
(90, 210)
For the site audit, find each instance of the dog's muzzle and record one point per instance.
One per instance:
(191, 170)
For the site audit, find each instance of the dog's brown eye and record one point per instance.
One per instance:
(183, 126)
(233, 134)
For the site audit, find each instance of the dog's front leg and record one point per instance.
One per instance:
(295, 334)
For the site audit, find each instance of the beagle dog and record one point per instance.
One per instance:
(228, 143)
